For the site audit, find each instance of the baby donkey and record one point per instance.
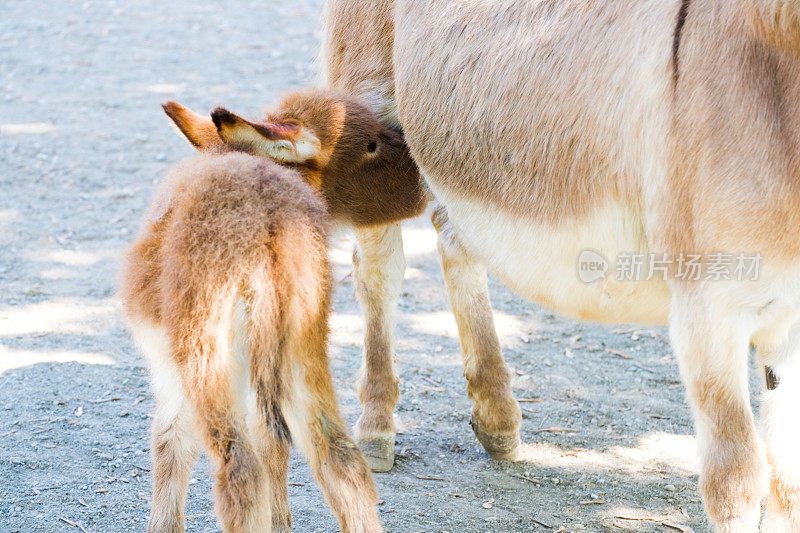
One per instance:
(228, 292)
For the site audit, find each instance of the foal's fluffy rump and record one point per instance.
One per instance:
(231, 272)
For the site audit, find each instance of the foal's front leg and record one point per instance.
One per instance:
(496, 416)
(379, 268)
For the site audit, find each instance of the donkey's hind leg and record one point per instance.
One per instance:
(711, 345)
(496, 416)
(780, 431)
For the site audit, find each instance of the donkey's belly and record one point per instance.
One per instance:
(561, 267)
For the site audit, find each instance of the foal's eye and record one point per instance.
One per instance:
(372, 146)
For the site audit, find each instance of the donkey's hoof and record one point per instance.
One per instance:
(501, 446)
(379, 452)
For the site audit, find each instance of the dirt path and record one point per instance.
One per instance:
(83, 140)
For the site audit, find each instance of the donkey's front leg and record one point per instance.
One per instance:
(779, 424)
(496, 416)
(711, 342)
(379, 268)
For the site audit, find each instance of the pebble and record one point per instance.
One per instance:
(670, 488)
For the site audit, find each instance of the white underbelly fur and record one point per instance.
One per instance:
(541, 262)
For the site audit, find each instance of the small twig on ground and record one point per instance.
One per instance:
(431, 381)
(38, 490)
(574, 453)
(529, 479)
(429, 478)
(640, 367)
(73, 524)
(618, 353)
(554, 430)
(680, 527)
(664, 521)
(104, 400)
(529, 400)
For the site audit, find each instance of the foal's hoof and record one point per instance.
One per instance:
(379, 452)
(501, 446)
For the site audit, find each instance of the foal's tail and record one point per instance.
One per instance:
(288, 327)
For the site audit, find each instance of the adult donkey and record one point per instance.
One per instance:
(548, 127)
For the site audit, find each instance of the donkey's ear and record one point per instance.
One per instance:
(286, 141)
(199, 129)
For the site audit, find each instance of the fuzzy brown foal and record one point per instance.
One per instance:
(228, 294)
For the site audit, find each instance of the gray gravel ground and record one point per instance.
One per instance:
(82, 143)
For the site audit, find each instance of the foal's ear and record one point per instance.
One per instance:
(199, 129)
(287, 141)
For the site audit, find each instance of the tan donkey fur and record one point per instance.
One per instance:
(548, 127)
(228, 294)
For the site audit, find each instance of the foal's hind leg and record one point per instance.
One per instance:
(241, 499)
(174, 444)
(277, 463)
(273, 445)
(312, 414)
